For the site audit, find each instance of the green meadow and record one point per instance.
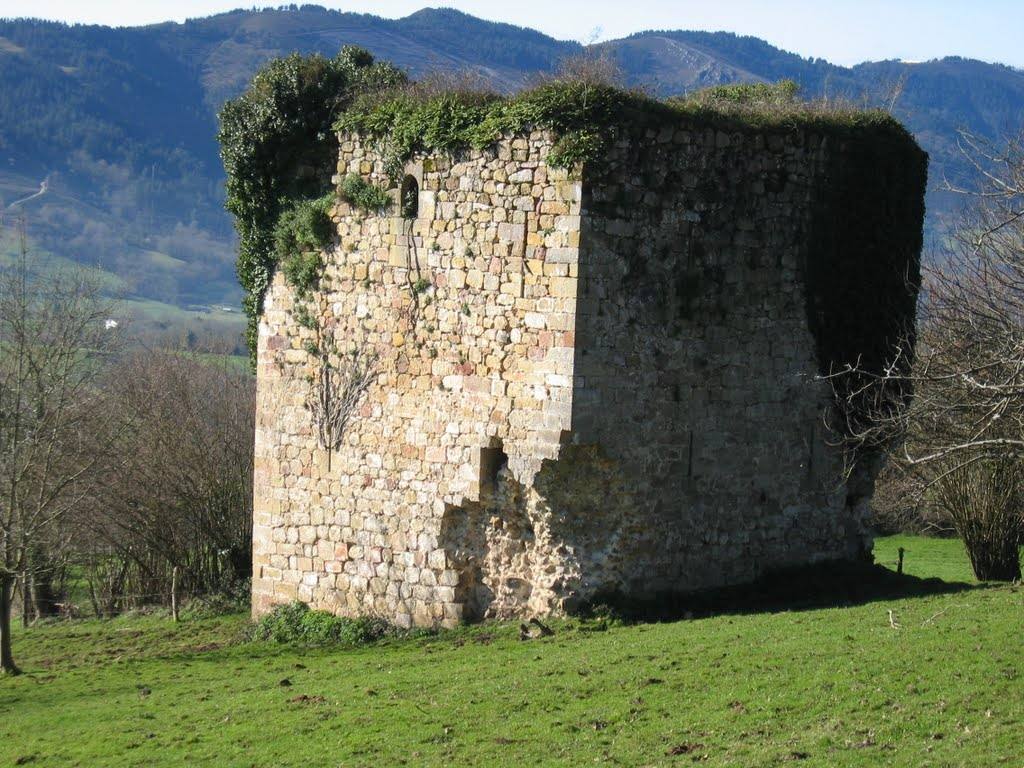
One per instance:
(929, 675)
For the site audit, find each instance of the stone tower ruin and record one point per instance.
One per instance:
(568, 384)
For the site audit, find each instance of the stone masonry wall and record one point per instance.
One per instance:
(582, 387)
(696, 368)
(474, 332)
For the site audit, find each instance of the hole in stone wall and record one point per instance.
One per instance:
(492, 460)
(464, 539)
(410, 197)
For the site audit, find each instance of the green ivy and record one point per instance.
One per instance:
(362, 194)
(586, 117)
(278, 146)
(303, 230)
(302, 270)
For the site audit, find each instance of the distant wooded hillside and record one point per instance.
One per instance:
(120, 123)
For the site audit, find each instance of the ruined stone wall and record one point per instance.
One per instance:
(583, 387)
(696, 367)
(470, 308)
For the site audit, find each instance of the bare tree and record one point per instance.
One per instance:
(181, 497)
(964, 429)
(983, 499)
(594, 66)
(53, 341)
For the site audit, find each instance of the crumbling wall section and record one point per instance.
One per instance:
(467, 306)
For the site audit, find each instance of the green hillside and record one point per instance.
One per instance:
(119, 124)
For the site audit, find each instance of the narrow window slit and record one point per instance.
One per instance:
(492, 461)
(410, 197)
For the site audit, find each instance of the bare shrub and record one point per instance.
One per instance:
(181, 495)
(984, 500)
(440, 82)
(55, 427)
(898, 506)
(592, 66)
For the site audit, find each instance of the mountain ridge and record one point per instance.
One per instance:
(122, 120)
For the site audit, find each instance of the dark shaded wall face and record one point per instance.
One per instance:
(696, 363)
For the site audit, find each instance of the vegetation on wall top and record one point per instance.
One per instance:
(410, 119)
(278, 148)
(586, 116)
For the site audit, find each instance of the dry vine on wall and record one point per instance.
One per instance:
(335, 392)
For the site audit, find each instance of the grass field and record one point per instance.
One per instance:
(836, 686)
(147, 315)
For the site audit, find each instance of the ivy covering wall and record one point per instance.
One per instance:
(279, 151)
(279, 146)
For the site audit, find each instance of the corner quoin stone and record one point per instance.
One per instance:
(608, 384)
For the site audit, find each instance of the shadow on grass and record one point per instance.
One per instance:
(825, 585)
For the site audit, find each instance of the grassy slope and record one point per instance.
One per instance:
(146, 314)
(828, 687)
(49, 262)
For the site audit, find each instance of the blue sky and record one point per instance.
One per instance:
(843, 31)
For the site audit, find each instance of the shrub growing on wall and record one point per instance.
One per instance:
(364, 195)
(278, 148)
(301, 232)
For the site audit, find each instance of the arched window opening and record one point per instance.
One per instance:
(410, 197)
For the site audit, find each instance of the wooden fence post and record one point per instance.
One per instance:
(174, 593)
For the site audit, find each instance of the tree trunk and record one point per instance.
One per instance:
(39, 584)
(44, 598)
(7, 665)
(26, 602)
